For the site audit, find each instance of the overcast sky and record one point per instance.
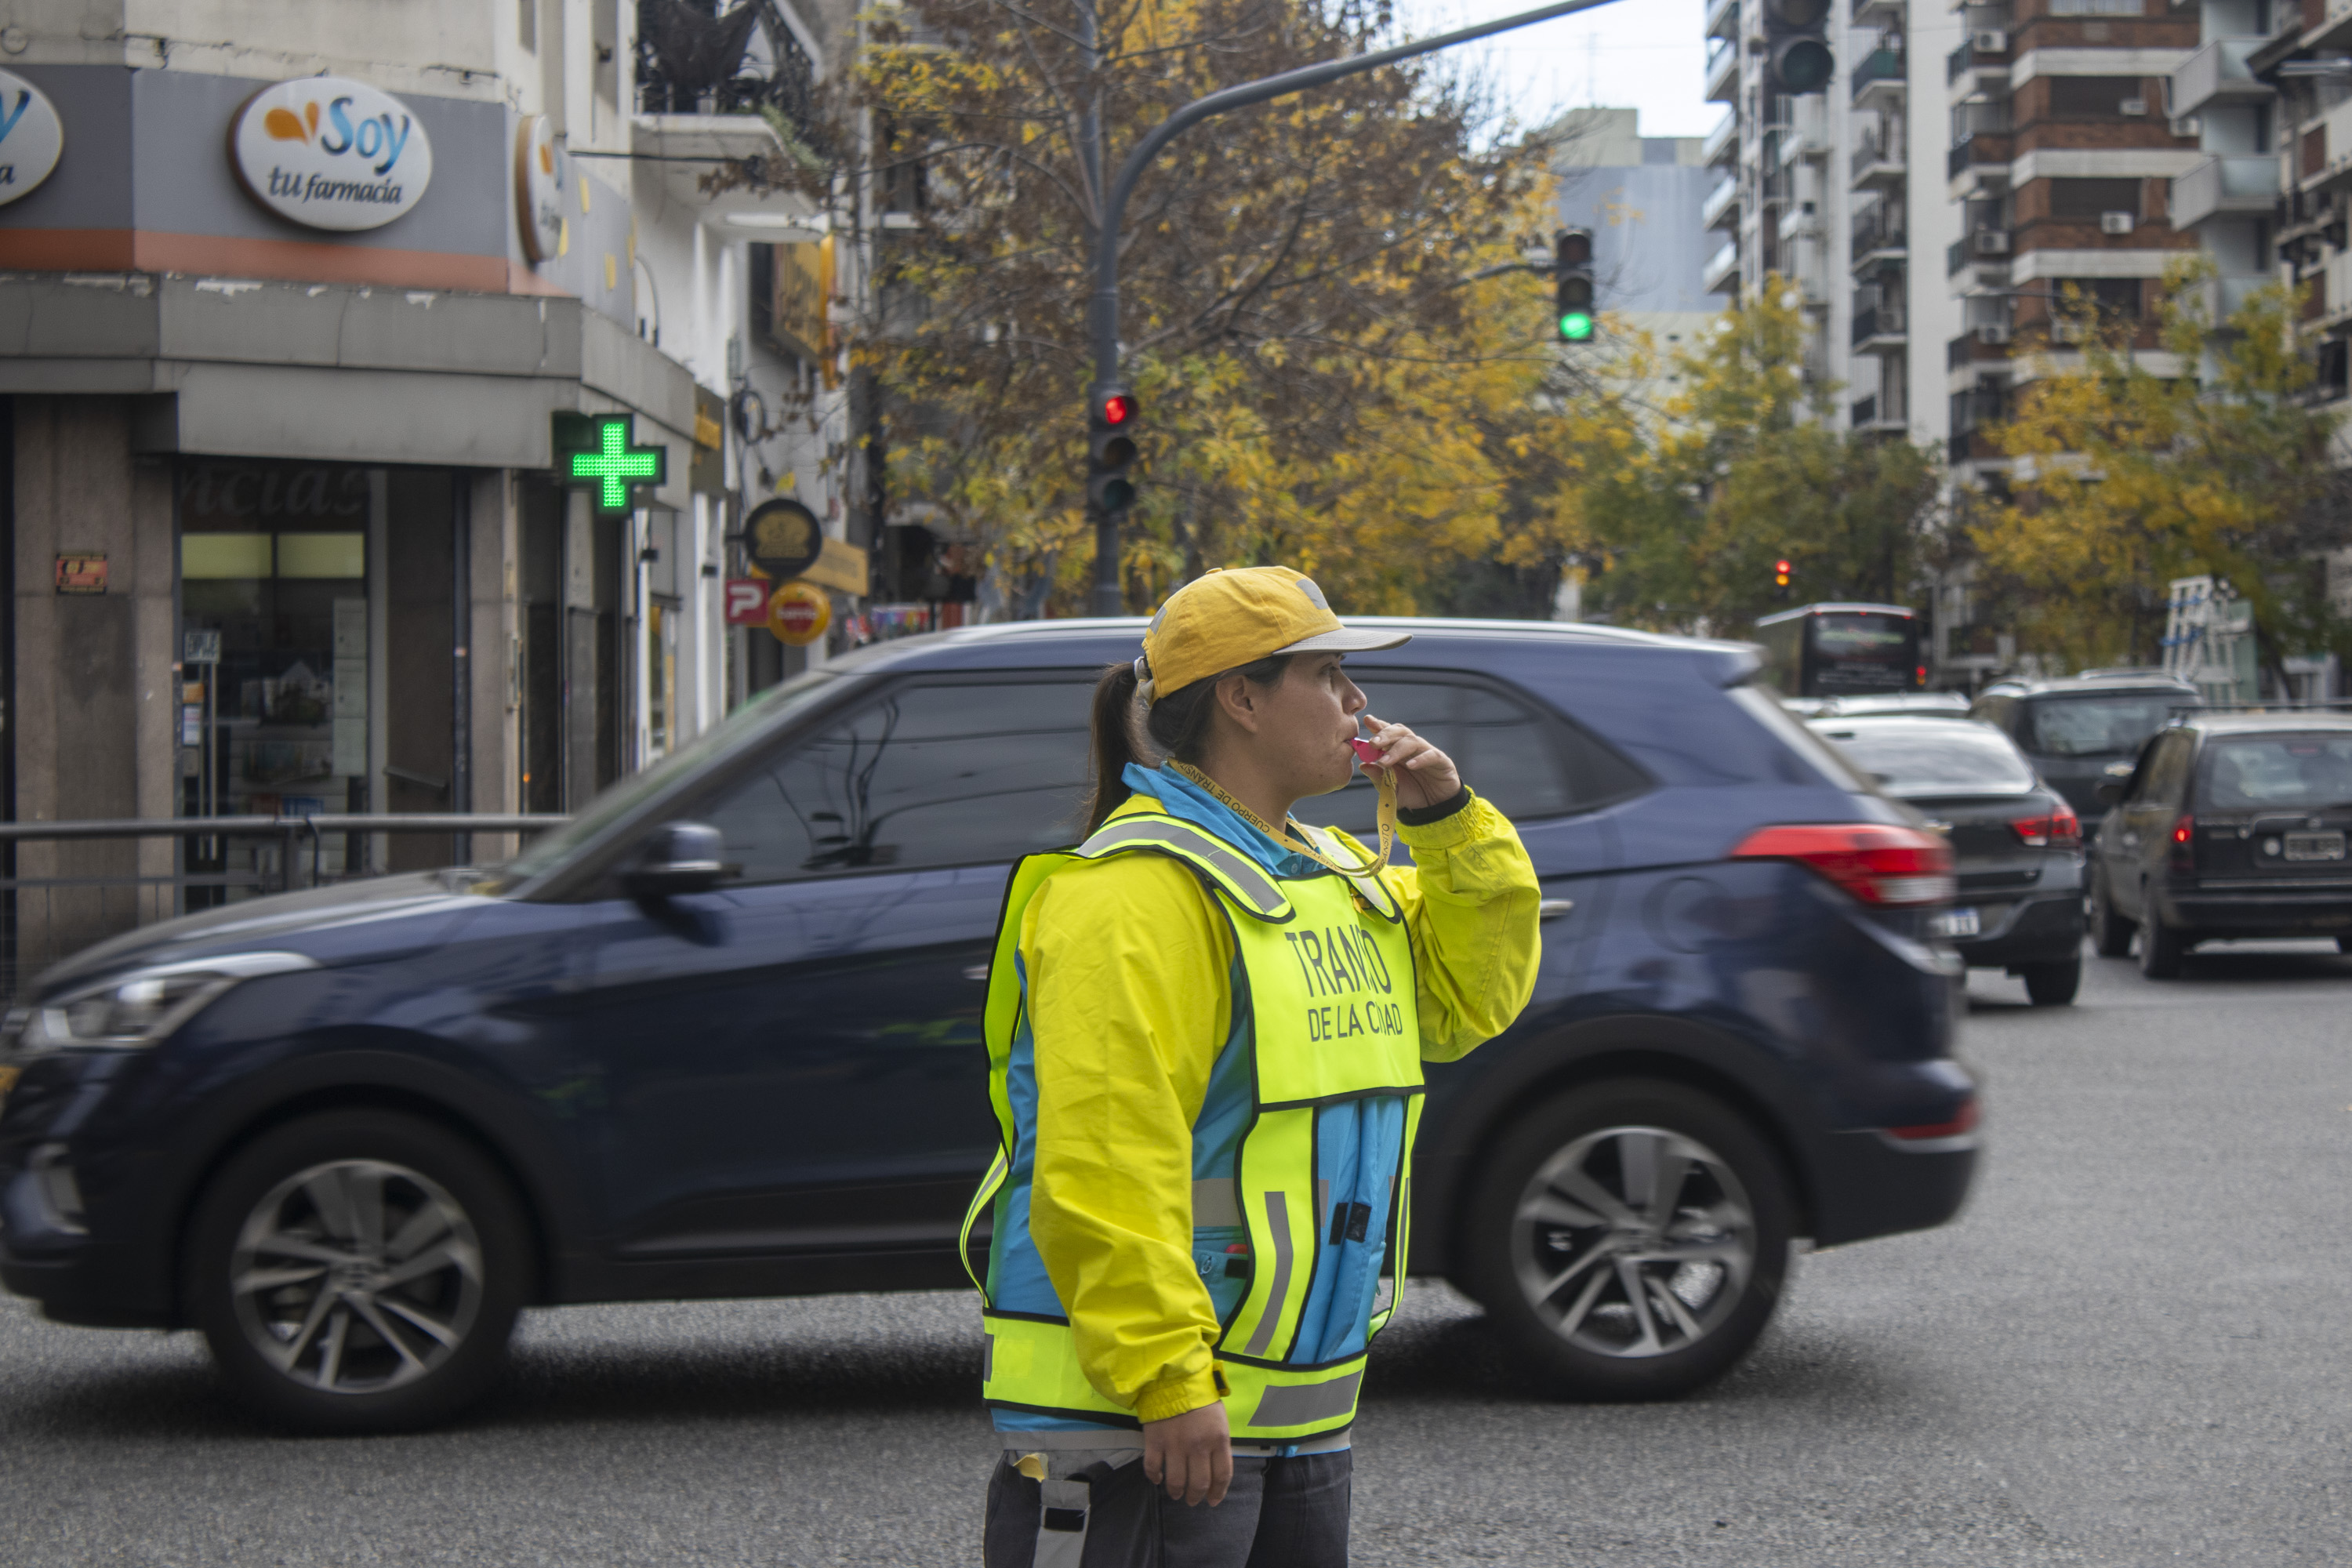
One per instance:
(1636, 54)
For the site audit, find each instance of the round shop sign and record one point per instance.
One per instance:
(798, 613)
(542, 174)
(331, 153)
(31, 137)
(782, 538)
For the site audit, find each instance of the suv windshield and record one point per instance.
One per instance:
(2096, 724)
(1932, 759)
(551, 849)
(2280, 773)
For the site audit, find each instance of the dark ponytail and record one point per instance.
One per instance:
(1175, 726)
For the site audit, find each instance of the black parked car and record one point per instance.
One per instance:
(720, 1035)
(2017, 846)
(2082, 731)
(2233, 824)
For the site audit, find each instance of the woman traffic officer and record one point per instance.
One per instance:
(1205, 1025)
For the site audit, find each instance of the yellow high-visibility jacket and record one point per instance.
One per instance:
(1128, 962)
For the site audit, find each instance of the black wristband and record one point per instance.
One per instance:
(1423, 816)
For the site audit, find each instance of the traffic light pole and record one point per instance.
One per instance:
(1103, 312)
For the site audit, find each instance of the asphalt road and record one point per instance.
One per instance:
(2131, 1350)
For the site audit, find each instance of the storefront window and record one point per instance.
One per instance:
(295, 579)
(274, 559)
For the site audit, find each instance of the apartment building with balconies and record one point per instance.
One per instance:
(1782, 200)
(1825, 191)
(2066, 169)
(2302, 76)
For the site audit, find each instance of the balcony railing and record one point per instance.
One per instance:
(1721, 201)
(1976, 148)
(1968, 58)
(1722, 271)
(1879, 239)
(1877, 152)
(2217, 71)
(1865, 412)
(1722, 142)
(1879, 65)
(1722, 71)
(690, 62)
(1723, 18)
(1882, 322)
(2247, 185)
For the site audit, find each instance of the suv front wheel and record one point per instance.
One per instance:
(358, 1271)
(1630, 1240)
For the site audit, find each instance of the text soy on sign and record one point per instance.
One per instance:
(331, 153)
(31, 136)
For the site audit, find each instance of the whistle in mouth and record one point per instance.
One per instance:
(1366, 751)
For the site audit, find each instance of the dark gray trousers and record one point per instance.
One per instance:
(1280, 1513)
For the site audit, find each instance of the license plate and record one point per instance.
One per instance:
(1953, 922)
(2315, 846)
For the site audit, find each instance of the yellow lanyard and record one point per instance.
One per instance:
(1384, 782)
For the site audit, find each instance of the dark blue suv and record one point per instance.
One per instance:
(720, 1035)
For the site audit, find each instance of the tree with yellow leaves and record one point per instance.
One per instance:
(1319, 384)
(1677, 513)
(2130, 473)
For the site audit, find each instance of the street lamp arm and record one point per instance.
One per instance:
(1105, 311)
(1102, 310)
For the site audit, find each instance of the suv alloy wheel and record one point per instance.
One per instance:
(1629, 1239)
(358, 1271)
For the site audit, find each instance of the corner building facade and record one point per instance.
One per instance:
(285, 530)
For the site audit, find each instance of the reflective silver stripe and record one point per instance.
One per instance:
(1375, 891)
(987, 1357)
(1214, 1203)
(1296, 1404)
(1255, 889)
(1277, 1219)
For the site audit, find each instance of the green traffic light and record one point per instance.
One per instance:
(1576, 326)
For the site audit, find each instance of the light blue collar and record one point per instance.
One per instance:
(1179, 796)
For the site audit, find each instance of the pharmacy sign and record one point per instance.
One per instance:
(598, 454)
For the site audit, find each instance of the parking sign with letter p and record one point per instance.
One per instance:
(747, 600)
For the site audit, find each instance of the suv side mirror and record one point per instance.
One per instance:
(679, 858)
(2111, 791)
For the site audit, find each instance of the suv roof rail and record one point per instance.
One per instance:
(2297, 705)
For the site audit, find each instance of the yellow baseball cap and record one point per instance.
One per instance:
(1236, 616)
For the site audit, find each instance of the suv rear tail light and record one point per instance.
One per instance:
(1959, 1126)
(2184, 846)
(2062, 829)
(1890, 867)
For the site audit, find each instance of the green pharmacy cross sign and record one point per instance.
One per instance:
(600, 452)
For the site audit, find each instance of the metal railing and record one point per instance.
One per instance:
(72, 884)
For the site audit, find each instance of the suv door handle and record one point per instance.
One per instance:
(1552, 909)
(975, 972)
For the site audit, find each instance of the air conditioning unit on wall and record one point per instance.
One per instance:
(1992, 41)
(1992, 334)
(2189, 125)
(2119, 223)
(2132, 105)
(1992, 242)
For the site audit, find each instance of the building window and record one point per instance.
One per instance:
(2083, 201)
(2095, 96)
(2115, 299)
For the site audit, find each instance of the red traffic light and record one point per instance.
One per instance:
(1780, 573)
(1117, 408)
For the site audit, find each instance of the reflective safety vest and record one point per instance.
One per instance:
(1325, 1010)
